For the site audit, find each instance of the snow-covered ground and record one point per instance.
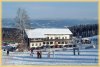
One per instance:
(86, 57)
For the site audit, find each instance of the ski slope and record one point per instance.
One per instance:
(86, 57)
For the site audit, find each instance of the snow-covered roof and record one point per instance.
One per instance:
(89, 38)
(94, 37)
(41, 32)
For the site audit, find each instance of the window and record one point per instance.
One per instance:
(36, 44)
(70, 45)
(32, 44)
(62, 42)
(65, 37)
(51, 38)
(39, 39)
(36, 39)
(66, 46)
(43, 42)
(74, 45)
(58, 42)
(51, 42)
(56, 37)
(47, 42)
(62, 37)
(40, 44)
(70, 36)
(65, 42)
(47, 37)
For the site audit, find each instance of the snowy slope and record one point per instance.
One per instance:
(86, 57)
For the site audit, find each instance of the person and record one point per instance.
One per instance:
(37, 54)
(7, 52)
(31, 52)
(40, 54)
(77, 50)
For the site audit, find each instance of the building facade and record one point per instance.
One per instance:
(48, 36)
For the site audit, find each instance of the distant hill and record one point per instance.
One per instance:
(10, 23)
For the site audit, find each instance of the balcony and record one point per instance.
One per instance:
(41, 40)
(55, 39)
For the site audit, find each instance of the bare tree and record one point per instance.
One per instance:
(22, 23)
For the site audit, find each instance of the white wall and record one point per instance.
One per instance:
(59, 36)
(35, 44)
(50, 36)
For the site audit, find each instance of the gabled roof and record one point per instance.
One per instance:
(42, 32)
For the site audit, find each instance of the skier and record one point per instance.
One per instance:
(7, 52)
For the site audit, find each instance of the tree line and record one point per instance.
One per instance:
(84, 30)
(77, 30)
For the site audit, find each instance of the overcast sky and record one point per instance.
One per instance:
(52, 10)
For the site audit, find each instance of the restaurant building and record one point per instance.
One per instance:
(48, 36)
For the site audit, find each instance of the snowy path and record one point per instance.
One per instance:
(86, 57)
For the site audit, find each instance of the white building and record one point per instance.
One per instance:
(48, 36)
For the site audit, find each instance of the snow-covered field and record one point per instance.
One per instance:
(86, 57)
